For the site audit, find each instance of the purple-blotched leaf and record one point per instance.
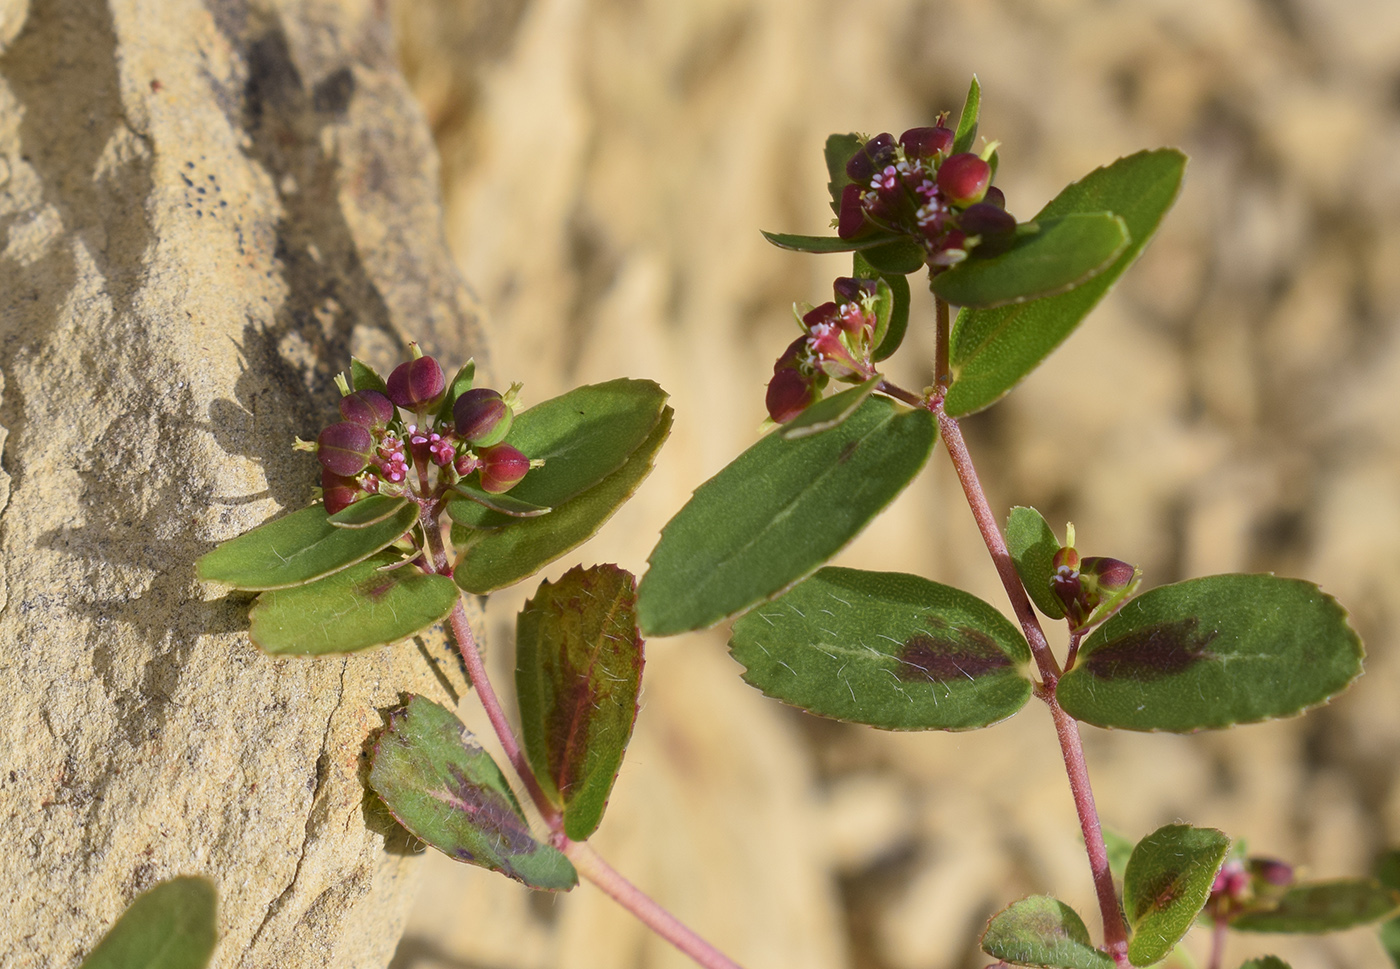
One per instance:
(578, 673)
(448, 792)
(355, 608)
(1166, 884)
(1212, 652)
(1318, 907)
(885, 649)
(1042, 931)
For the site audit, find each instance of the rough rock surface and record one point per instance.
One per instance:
(607, 166)
(205, 208)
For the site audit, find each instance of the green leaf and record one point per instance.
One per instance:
(1049, 256)
(897, 258)
(369, 510)
(801, 243)
(355, 608)
(363, 377)
(829, 413)
(966, 132)
(1265, 962)
(839, 149)
(506, 504)
(299, 548)
(885, 649)
(780, 510)
(1167, 882)
(1042, 931)
(447, 791)
(992, 350)
(460, 384)
(172, 926)
(504, 556)
(893, 314)
(1388, 874)
(1211, 652)
(582, 437)
(578, 674)
(1033, 546)
(1318, 907)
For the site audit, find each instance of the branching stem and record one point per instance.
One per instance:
(1066, 727)
(586, 861)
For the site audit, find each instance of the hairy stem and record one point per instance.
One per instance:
(632, 898)
(585, 859)
(466, 644)
(1066, 728)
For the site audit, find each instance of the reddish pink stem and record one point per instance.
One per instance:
(632, 898)
(585, 859)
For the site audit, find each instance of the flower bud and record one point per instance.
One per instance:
(874, 155)
(926, 142)
(337, 493)
(417, 385)
(854, 290)
(789, 394)
(368, 408)
(964, 178)
(344, 448)
(502, 467)
(481, 417)
(1278, 874)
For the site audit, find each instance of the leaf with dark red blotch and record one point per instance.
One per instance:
(578, 673)
(1318, 907)
(1166, 884)
(885, 649)
(1212, 652)
(1042, 931)
(448, 792)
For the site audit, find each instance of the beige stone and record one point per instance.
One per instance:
(207, 207)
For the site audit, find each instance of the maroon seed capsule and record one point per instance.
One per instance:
(789, 394)
(344, 448)
(338, 493)
(926, 142)
(368, 408)
(1111, 575)
(417, 385)
(963, 179)
(986, 220)
(852, 290)
(481, 417)
(502, 468)
(851, 220)
(995, 196)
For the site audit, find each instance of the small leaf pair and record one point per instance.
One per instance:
(578, 677)
(327, 583)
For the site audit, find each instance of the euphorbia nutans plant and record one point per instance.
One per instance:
(431, 488)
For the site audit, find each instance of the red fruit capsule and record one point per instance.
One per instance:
(368, 408)
(338, 493)
(926, 142)
(481, 417)
(963, 179)
(789, 394)
(851, 220)
(417, 385)
(344, 448)
(502, 468)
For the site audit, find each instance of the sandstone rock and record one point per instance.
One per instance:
(206, 208)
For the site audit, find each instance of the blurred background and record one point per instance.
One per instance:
(606, 167)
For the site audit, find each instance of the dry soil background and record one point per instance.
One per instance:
(607, 166)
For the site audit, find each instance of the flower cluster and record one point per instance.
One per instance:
(1091, 588)
(836, 341)
(919, 188)
(371, 450)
